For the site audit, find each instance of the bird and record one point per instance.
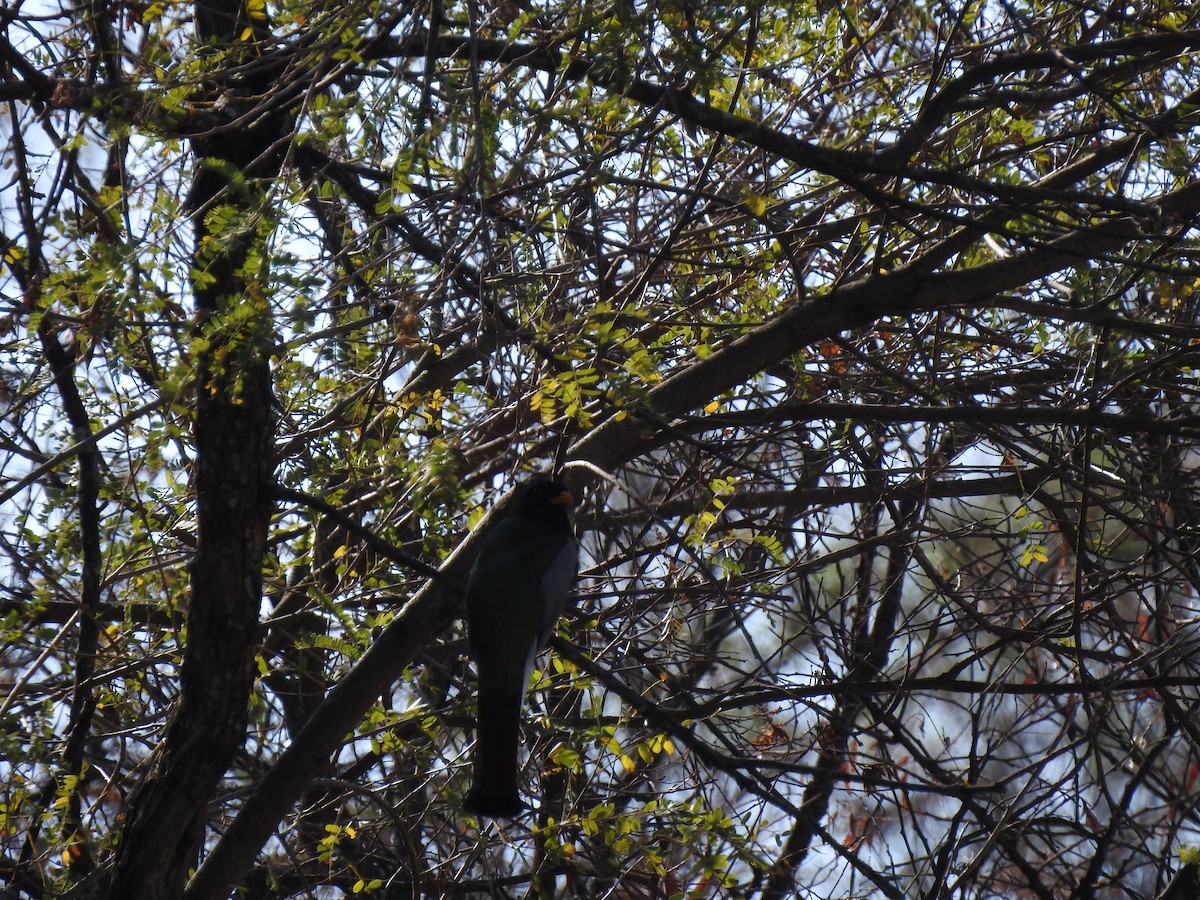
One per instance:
(516, 592)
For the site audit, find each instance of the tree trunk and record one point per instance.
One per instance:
(233, 483)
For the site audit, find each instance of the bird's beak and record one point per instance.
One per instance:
(563, 499)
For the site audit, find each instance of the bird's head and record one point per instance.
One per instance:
(544, 499)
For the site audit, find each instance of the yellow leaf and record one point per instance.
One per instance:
(756, 204)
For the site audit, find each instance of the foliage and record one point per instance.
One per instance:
(867, 332)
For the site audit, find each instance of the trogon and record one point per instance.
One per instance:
(516, 592)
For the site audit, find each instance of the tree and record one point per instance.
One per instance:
(866, 331)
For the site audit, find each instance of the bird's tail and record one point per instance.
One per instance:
(494, 792)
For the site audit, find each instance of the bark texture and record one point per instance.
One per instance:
(233, 485)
